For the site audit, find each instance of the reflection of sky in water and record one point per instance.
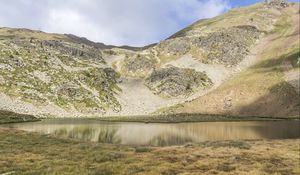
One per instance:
(163, 134)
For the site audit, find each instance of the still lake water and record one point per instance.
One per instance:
(155, 134)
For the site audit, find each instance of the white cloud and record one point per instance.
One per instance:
(132, 22)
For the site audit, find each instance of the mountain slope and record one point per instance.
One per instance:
(54, 73)
(241, 63)
(222, 47)
(263, 89)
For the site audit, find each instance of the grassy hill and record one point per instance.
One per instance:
(261, 90)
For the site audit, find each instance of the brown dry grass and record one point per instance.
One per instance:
(31, 153)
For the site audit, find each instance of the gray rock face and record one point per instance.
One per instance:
(176, 46)
(277, 3)
(74, 50)
(229, 46)
(173, 81)
(137, 66)
(69, 91)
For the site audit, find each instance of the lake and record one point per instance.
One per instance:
(157, 134)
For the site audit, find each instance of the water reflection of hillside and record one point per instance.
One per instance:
(109, 135)
(280, 132)
(102, 135)
(163, 134)
(169, 139)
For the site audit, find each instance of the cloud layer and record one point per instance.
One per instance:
(118, 22)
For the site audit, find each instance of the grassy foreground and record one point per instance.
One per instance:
(31, 153)
(11, 117)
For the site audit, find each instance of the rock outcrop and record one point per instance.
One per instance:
(228, 46)
(74, 49)
(174, 81)
(175, 46)
(277, 3)
(137, 66)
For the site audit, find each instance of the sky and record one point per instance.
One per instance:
(116, 22)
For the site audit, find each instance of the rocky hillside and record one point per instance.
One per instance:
(66, 76)
(53, 72)
(173, 81)
(270, 87)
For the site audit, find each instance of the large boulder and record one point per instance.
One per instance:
(175, 46)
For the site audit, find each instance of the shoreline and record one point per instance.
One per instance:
(7, 117)
(188, 118)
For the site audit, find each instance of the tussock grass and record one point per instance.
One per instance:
(31, 153)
